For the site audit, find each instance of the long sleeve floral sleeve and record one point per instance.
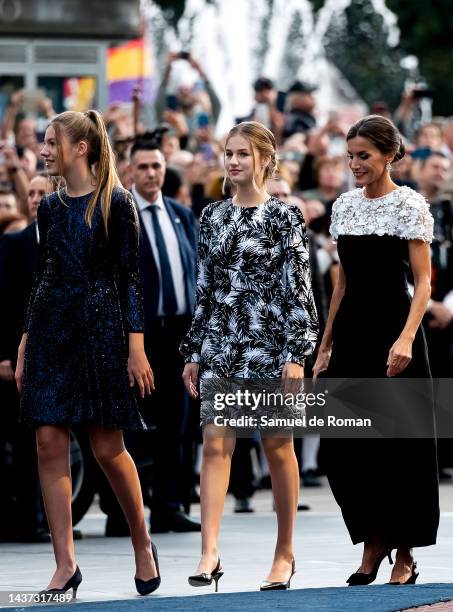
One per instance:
(191, 345)
(254, 304)
(300, 310)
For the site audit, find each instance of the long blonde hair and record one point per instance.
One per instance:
(90, 127)
(261, 139)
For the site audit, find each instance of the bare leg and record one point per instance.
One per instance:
(214, 478)
(117, 464)
(285, 487)
(55, 477)
(403, 565)
(372, 550)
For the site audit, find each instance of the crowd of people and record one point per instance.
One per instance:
(179, 164)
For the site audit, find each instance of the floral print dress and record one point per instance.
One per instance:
(254, 306)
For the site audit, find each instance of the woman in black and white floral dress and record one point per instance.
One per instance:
(254, 318)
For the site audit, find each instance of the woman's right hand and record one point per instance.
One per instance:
(20, 364)
(322, 362)
(190, 378)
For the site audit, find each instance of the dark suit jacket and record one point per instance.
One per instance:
(18, 258)
(317, 284)
(184, 224)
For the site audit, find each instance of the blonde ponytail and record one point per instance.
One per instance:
(90, 126)
(105, 169)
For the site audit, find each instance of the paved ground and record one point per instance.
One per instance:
(440, 607)
(324, 558)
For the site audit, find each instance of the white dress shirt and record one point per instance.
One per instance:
(171, 242)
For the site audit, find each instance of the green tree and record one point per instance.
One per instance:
(426, 32)
(357, 44)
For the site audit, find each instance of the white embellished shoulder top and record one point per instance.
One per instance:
(403, 213)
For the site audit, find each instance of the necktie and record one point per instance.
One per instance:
(169, 302)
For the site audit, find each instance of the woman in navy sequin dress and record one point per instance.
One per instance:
(82, 350)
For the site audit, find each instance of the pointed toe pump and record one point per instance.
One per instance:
(146, 587)
(73, 583)
(205, 579)
(361, 579)
(268, 585)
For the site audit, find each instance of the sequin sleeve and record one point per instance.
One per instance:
(43, 224)
(416, 220)
(301, 317)
(403, 213)
(334, 218)
(126, 237)
(191, 345)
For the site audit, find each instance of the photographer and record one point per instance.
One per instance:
(186, 110)
(301, 114)
(413, 111)
(12, 169)
(21, 128)
(265, 109)
(321, 143)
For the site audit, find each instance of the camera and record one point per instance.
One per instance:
(422, 92)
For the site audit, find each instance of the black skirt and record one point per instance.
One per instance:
(385, 487)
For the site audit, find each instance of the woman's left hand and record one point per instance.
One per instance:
(139, 370)
(292, 375)
(399, 356)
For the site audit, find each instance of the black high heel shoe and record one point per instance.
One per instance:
(267, 585)
(73, 583)
(360, 578)
(204, 579)
(412, 578)
(145, 587)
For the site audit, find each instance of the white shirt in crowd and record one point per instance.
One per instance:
(171, 242)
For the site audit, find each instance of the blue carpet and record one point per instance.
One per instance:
(379, 598)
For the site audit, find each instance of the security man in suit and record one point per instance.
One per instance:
(168, 268)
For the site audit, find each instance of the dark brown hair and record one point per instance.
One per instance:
(381, 132)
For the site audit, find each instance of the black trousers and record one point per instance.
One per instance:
(242, 478)
(163, 454)
(167, 411)
(440, 349)
(21, 510)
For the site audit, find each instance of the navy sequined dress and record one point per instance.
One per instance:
(85, 300)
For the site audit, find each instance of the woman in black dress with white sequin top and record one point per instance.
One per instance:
(387, 488)
(254, 319)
